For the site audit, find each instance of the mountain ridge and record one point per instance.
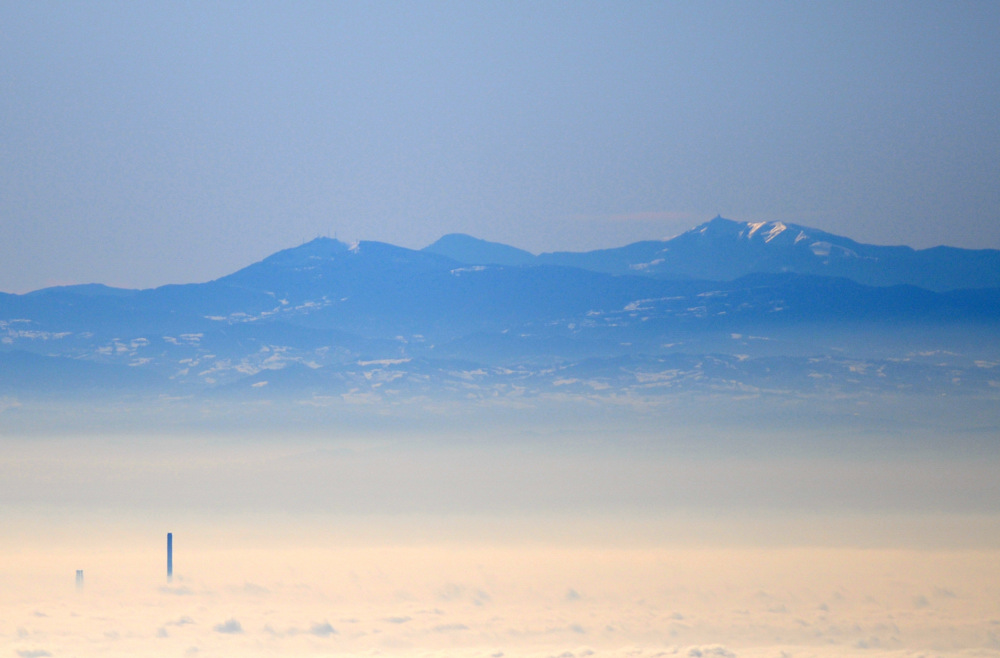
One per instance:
(375, 319)
(723, 250)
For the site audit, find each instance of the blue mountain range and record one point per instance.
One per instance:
(727, 305)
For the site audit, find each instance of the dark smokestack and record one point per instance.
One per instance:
(170, 557)
(79, 578)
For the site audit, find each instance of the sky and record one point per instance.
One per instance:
(151, 143)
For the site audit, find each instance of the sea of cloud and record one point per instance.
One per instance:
(482, 599)
(402, 545)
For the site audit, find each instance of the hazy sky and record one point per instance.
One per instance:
(147, 143)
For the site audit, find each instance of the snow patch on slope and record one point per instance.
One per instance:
(775, 229)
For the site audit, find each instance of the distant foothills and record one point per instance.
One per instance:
(753, 308)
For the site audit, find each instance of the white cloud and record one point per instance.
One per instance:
(447, 628)
(709, 651)
(323, 629)
(397, 620)
(230, 626)
(182, 621)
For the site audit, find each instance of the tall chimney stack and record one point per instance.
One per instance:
(170, 557)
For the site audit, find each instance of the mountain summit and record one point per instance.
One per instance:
(467, 249)
(724, 250)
